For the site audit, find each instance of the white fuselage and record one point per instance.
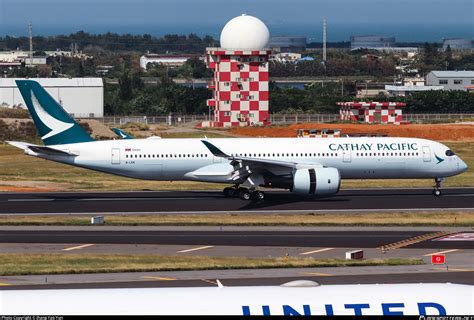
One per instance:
(371, 299)
(190, 159)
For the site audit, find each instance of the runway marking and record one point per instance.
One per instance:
(440, 252)
(134, 199)
(316, 274)
(3, 284)
(462, 236)
(410, 241)
(159, 278)
(26, 200)
(316, 251)
(449, 269)
(101, 199)
(195, 249)
(78, 247)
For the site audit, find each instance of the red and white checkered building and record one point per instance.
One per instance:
(240, 87)
(372, 112)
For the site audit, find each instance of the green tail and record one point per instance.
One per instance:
(121, 133)
(53, 123)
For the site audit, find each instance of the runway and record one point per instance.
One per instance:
(169, 202)
(336, 239)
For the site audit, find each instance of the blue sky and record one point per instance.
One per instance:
(211, 15)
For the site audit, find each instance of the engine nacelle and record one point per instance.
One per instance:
(316, 181)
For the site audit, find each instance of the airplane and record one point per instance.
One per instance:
(300, 297)
(303, 166)
(121, 133)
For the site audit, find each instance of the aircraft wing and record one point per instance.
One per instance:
(245, 166)
(41, 150)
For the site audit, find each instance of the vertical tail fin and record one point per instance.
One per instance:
(53, 123)
(121, 133)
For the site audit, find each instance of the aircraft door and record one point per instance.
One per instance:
(115, 155)
(426, 154)
(346, 156)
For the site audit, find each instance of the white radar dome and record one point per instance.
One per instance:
(245, 32)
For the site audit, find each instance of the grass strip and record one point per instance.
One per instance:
(30, 264)
(423, 218)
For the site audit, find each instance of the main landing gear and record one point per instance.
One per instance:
(437, 187)
(244, 193)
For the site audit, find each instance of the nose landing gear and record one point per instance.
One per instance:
(437, 187)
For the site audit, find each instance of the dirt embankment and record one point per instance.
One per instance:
(444, 132)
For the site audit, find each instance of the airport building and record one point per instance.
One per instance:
(80, 97)
(372, 112)
(240, 82)
(451, 80)
(372, 42)
(458, 44)
(287, 44)
(164, 59)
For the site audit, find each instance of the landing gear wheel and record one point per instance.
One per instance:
(245, 194)
(259, 195)
(437, 187)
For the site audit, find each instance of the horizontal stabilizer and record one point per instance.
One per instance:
(40, 149)
(50, 151)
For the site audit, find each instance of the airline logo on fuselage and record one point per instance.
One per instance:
(373, 146)
(358, 309)
(439, 159)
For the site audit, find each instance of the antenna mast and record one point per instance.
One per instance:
(324, 39)
(30, 30)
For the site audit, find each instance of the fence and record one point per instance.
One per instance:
(176, 120)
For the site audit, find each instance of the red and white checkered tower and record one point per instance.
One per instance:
(372, 112)
(240, 83)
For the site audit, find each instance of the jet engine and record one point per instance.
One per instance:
(316, 181)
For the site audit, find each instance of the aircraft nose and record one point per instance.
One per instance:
(462, 166)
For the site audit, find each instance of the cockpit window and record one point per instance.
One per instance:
(449, 153)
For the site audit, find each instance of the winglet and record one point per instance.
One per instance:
(219, 284)
(215, 150)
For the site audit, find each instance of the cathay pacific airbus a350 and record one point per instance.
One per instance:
(303, 166)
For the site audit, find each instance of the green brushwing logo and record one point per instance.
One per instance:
(439, 159)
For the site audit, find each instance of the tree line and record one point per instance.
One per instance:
(132, 97)
(93, 43)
